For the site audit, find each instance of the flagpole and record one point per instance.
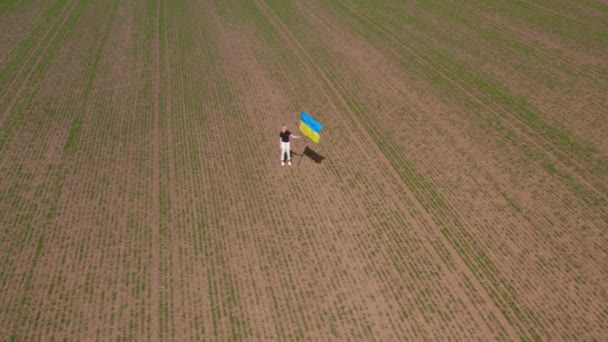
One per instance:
(302, 155)
(305, 145)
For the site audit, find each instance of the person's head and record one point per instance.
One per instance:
(284, 129)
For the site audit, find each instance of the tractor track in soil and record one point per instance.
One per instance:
(24, 80)
(479, 98)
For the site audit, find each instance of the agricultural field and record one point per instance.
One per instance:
(459, 190)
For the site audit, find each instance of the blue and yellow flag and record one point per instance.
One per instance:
(310, 127)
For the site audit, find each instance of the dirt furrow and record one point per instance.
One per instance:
(155, 282)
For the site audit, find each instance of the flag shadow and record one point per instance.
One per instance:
(310, 153)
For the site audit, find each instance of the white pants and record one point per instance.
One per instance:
(285, 148)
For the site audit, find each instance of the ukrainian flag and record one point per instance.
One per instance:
(309, 127)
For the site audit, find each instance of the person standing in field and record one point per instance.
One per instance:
(285, 148)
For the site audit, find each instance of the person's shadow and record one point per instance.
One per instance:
(310, 153)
